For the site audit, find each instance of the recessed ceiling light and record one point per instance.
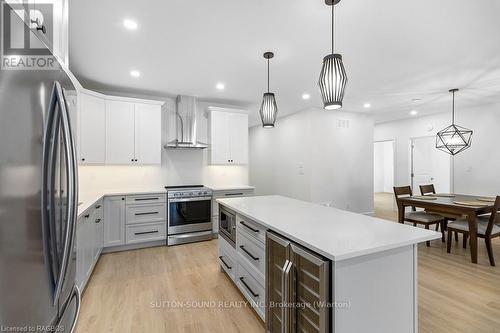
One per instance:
(413, 112)
(367, 105)
(135, 73)
(306, 96)
(130, 24)
(220, 86)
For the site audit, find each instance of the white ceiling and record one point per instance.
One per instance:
(394, 51)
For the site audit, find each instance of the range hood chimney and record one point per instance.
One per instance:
(186, 117)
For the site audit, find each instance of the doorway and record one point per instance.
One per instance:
(384, 173)
(429, 165)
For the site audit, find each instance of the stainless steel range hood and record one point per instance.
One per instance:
(185, 128)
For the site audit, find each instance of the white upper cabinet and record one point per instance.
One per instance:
(148, 133)
(238, 138)
(133, 133)
(120, 130)
(228, 137)
(92, 131)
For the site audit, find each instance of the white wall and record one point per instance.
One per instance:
(178, 166)
(383, 166)
(307, 156)
(475, 170)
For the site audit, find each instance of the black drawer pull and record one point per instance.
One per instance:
(248, 253)
(145, 232)
(225, 263)
(87, 216)
(98, 206)
(98, 220)
(249, 227)
(147, 213)
(232, 194)
(242, 279)
(144, 199)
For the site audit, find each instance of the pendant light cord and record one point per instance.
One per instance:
(333, 24)
(453, 110)
(267, 74)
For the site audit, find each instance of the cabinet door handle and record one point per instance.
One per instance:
(144, 199)
(98, 220)
(98, 206)
(249, 227)
(248, 253)
(145, 232)
(87, 216)
(232, 194)
(225, 263)
(146, 213)
(242, 279)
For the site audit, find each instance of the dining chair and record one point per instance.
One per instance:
(419, 217)
(430, 189)
(427, 189)
(487, 228)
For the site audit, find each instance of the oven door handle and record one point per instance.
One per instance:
(190, 199)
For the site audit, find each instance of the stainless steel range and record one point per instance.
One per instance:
(189, 214)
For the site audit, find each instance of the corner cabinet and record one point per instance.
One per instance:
(92, 129)
(118, 130)
(228, 136)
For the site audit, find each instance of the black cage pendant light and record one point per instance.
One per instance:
(269, 108)
(453, 139)
(333, 78)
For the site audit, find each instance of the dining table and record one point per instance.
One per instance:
(459, 205)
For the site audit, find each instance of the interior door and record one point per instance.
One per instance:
(310, 288)
(277, 262)
(429, 165)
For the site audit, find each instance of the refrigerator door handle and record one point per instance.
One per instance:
(76, 294)
(72, 194)
(47, 188)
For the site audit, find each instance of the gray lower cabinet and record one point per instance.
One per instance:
(114, 221)
(89, 242)
(298, 277)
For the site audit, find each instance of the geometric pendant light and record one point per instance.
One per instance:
(269, 108)
(333, 78)
(453, 139)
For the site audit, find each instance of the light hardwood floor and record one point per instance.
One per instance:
(455, 296)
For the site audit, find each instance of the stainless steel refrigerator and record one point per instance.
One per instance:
(38, 202)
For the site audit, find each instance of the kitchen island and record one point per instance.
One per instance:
(335, 271)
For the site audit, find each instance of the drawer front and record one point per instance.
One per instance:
(252, 289)
(147, 232)
(227, 194)
(253, 252)
(228, 264)
(146, 213)
(251, 228)
(226, 247)
(146, 199)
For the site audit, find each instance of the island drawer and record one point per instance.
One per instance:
(228, 264)
(251, 228)
(252, 290)
(146, 199)
(146, 213)
(253, 253)
(145, 232)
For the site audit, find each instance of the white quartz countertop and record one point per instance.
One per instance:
(230, 187)
(88, 198)
(333, 233)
